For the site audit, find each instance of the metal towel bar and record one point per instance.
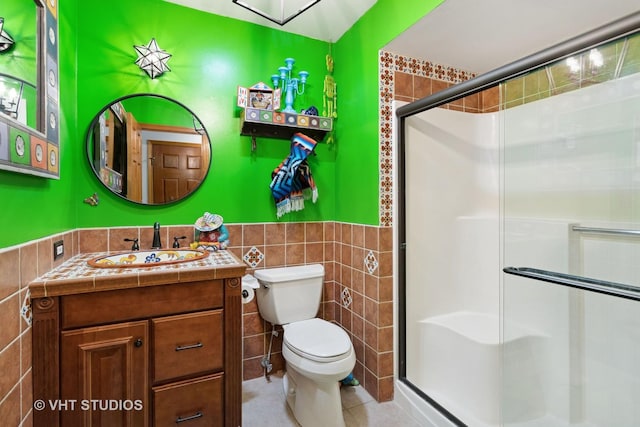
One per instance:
(594, 285)
(618, 231)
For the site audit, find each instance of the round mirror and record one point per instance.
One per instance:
(148, 149)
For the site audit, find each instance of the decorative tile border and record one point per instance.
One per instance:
(389, 63)
(386, 70)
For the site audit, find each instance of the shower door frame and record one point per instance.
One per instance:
(573, 46)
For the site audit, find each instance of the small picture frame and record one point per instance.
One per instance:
(259, 96)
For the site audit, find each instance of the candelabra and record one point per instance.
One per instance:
(290, 86)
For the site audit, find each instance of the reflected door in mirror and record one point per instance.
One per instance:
(177, 170)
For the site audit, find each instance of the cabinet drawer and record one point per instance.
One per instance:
(192, 403)
(187, 344)
(139, 303)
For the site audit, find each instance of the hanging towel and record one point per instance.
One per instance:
(304, 188)
(292, 182)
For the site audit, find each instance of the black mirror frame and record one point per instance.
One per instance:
(89, 145)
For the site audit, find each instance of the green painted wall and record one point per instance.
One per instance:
(151, 109)
(212, 55)
(33, 207)
(356, 72)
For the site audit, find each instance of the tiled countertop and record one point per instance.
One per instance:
(76, 276)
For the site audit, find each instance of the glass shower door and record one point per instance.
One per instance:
(452, 263)
(571, 241)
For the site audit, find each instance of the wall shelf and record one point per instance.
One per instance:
(275, 124)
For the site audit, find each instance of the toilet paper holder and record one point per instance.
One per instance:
(249, 284)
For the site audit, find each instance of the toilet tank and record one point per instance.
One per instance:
(289, 294)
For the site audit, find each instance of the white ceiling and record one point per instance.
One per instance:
(472, 35)
(327, 20)
(482, 35)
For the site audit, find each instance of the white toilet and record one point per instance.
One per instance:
(318, 353)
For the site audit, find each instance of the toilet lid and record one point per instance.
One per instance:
(317, 340)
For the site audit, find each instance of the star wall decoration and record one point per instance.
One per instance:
(5, 39)
(152, 59)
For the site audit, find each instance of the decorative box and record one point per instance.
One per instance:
(259, 96)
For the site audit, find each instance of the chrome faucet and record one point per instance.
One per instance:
(156, 236)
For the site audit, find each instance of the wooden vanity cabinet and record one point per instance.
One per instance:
(152, 356)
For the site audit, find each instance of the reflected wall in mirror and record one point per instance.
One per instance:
(29, 110)
(148, 149)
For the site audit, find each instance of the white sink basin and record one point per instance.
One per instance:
(147, 258)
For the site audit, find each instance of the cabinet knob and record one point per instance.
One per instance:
(138, 342)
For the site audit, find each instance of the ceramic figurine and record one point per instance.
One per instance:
(329, 101)
(211, 234)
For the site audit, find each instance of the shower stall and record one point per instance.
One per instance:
(518, 241)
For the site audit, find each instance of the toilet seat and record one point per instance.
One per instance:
(317, 340)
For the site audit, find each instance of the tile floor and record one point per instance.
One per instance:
(264, 405)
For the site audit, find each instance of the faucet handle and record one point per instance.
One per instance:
(176, 243)
(135, 246)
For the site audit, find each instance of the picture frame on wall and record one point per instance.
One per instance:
(29, 90)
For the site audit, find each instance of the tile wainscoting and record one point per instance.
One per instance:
(358, 294)
(19, 265)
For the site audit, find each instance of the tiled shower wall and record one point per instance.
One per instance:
(413, 79)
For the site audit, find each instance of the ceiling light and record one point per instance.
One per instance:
(152, 59)
(277, 7)
(595, 57)
(6, 42)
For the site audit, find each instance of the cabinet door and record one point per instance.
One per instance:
(105, 376)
